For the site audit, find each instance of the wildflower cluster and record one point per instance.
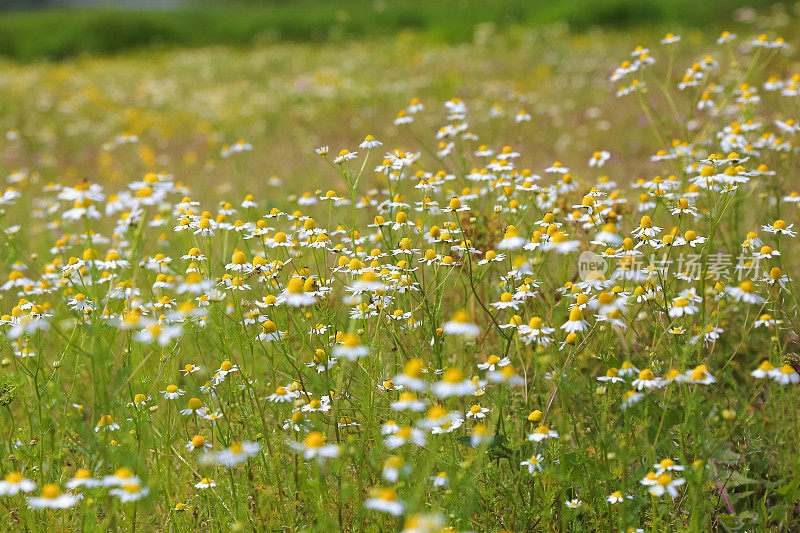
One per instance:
(419, 344)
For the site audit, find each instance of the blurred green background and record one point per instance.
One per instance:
(59, 29)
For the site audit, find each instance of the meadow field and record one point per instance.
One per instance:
(465, 276)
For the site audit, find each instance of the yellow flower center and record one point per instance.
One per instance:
(436, 412)
(388, 495)
(395, 461)
(646, 375)
(194, 403)
(315, 439)
(51, 491)
(351, 340)
(605, 298)
(747, 286)
(461, 316)
(123, 473)
(295, 286)
(698, 374)
(453, 375)
(14, 477)
(132, 488)
(413, 368)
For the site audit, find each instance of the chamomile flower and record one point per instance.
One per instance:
(785, 375)
(194, 407)
(453, 383)
(296, 293)
(670, 38)
(52, 498)
(198, 442)
(315, 447)
(477, 411)
(270, 332)
(506, 302)
(511, 240)
(460, 324)
(779, 227)
(205, 483)
(647, 380)
(369, 143)
(83, 478)
(345, 156)
(189, 369)
(667, 465)
(631, 397)
(617, 497)
(130, 492)
(385, 500)
(745, 292)
(394, 467)
(122, 476)
(172, 392)
(350, 347)
(682, 307)
(665, 484)
(236, 453)
(403, 435)
(533, 463)
(14, 483)
(106, 423)
(560, 243)
(493, 362)
(282, 394)
(612, 376)
(491, 257)
(408, 401)
(411, 377)
(699, 375)
(576, 322)
(765, 369)
(599, 158)
(542, 433)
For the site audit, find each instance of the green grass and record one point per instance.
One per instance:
(60, 33)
